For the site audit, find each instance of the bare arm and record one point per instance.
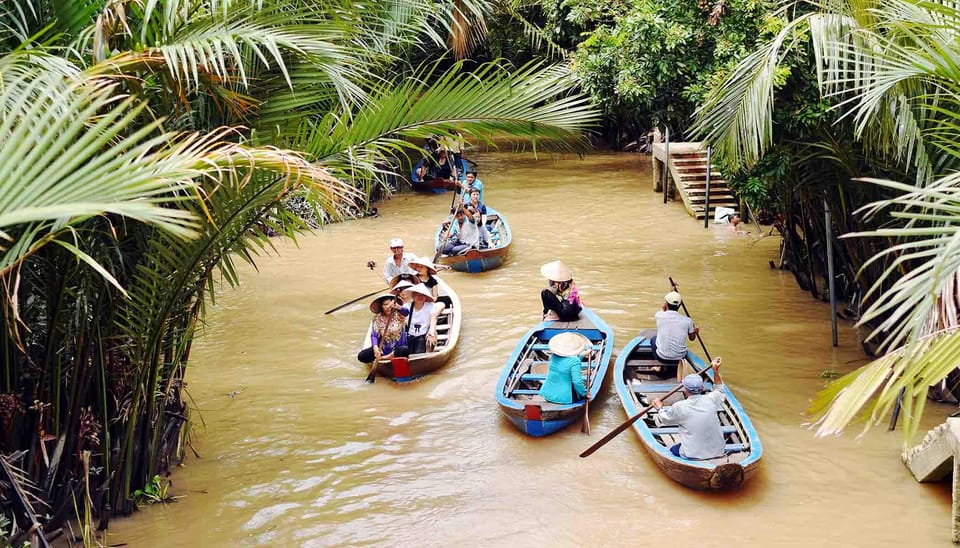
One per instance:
(716, 370)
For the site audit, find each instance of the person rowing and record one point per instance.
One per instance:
(388, 333)
(397, 262)
(701, 434)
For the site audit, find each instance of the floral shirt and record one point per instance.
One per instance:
(393, 329)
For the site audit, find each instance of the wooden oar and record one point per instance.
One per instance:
(360, 298)
(586, 404)
(371, 265)
(446, 234)
(618, 430)
(675, 287)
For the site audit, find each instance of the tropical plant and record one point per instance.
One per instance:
(888, 68)
(149, 145)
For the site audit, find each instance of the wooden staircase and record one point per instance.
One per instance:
(688, 178)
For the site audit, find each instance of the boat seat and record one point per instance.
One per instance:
(735, 447)
(544, 346)
(653, 387)
(666, 430)
(524, 392)
(533, 377)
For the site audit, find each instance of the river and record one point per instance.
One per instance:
(296, 450)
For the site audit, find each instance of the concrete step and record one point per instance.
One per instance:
(702, 183)
(714, 199)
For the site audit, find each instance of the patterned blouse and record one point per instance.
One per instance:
(393, 329)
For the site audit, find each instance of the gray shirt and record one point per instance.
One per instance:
(701, 435)
(672, 331)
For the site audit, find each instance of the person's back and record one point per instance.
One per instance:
(701, 434)
(673, 331)
(564, 377)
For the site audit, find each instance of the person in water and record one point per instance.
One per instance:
(388, 333)
(701, 434)
(422, 314)
(561, 300)
(673, 329)
(564, 382)
(397, 262)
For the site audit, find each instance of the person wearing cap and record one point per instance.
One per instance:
(464, 233)
(673, 329)
(422, 313)
(561, 300)
(701, 434)
(564, 382)
(388, 333)
(397, 262)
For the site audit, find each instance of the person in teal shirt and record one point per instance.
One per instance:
(565, 377)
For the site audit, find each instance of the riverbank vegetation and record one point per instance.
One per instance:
(145, 148)
(809, 106)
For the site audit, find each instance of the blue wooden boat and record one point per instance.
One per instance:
(487, 258)
(429, 184)
(640, 379)
(517, 390)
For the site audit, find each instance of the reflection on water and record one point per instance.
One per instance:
(307, 454)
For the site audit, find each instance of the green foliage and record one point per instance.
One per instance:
(647, 63)
(155, 491)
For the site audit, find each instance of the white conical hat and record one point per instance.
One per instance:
(556, 271)
(419, 289)
(568, 343)
(423, 261)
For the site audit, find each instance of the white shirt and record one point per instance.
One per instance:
(701, 435)
(419, 319)
(391, 270)
(468, 233)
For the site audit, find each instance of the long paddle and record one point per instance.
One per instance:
(618, 430)
(687, 312)
(586, 404)
(370, 265)
(446, 234)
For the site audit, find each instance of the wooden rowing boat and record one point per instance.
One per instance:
(640, 379)
(480, 260)
(430, 184)
(517, 390)
(448, 334)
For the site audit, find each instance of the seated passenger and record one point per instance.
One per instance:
(669, 345)
(481, 218)
(471, 182)
(561, 300)
(422, 320)
(564, 382)
(388, 334)
(397, 262)
(464, 233)
(426, 274)
(701, 434)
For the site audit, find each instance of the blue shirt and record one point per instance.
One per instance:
(564, 377)
(477, 184)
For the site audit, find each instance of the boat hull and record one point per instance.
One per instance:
(448, 334)
(436, 185)
(517, 389)
(639, 379)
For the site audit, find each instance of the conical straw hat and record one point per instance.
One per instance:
(375, 306)
(568, 343)
(556, 271)
(421, 290)
(422, 261)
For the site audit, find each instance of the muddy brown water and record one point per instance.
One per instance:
(297, 451)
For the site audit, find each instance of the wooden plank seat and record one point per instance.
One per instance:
(653, 387)
(525, 392)
(668, 430)
(545, 346)
(540, 377)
